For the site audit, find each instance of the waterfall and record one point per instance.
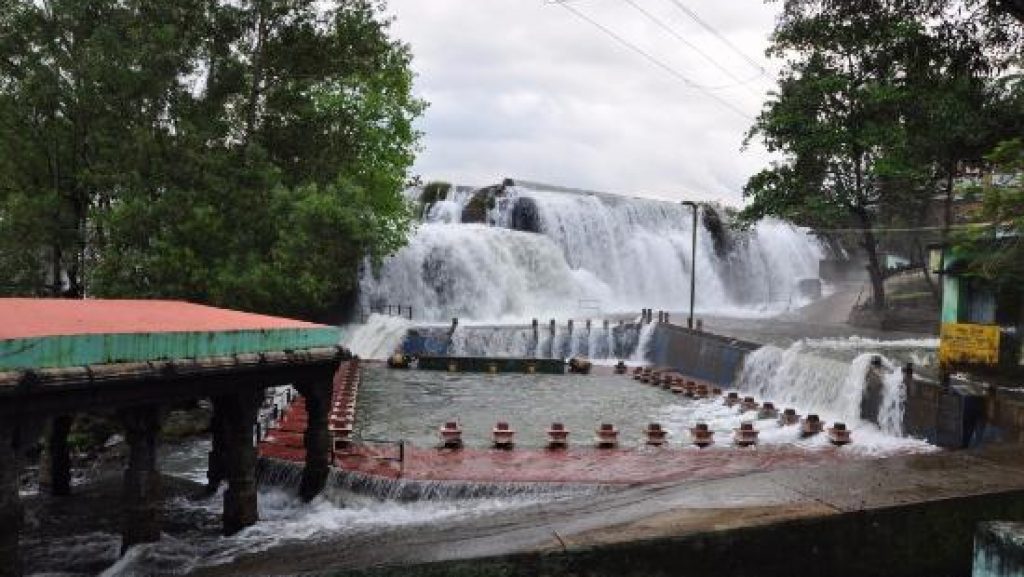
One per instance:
(796, 377)
(644, 343)
(342, 485)
(378, 338)
(578, 253)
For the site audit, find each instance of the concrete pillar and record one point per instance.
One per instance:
(316, 439)
(141, 514)
(60, 455)
(239, 458)
(10, 501)
(216, 464)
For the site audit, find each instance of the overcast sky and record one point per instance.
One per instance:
(527, 89)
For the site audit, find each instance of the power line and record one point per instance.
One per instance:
(661, 24)
(646, 55)
(693, 16)
(965, 226)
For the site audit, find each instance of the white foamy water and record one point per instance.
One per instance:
(597, 342)
(590, 255)
(797, 377)
(283, 519)
(377, 338)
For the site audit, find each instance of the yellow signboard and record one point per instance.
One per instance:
(967, 343)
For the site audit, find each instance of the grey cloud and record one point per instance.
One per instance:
(523, 88)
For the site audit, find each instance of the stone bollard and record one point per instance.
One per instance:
(702, 436)
(732, 399)
(839, 435)
(656, 435)
(666, 317)
(503, 436)
(768, 411)
(810, 426)
(789, 417)
(558, 436)
(451, 435)
(748, 404)
(607, 436)
(745, 436)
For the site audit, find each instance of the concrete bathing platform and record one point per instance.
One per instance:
(912, 515)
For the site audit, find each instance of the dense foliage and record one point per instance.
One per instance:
(879, 105)
(241, 153)
(995, 250)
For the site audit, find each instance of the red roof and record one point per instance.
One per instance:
(29, 317)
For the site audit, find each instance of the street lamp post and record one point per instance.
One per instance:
(693, 261)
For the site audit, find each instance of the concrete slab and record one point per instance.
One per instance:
(856, 486)
(896, 492)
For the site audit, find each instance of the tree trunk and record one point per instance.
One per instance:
(947, 204)
(922, 255)
(257, 70)
(874, 266)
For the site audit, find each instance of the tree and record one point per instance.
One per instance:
(246, 154)
(881, 103)
(84, 90)
(835, 118)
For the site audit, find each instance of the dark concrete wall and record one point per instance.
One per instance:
(950, 417)
(700, 355)
(501, 365)
(934, 539)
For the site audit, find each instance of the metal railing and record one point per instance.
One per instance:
(390, 310)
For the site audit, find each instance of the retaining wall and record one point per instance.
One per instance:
(932, 538)
(697, 354)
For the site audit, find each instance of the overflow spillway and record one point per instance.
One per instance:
(520, 250)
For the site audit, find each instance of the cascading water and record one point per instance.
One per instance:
(644, 342)
(803, 378)
(586, 252)
(377, 338)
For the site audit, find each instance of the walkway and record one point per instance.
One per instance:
(915, 514)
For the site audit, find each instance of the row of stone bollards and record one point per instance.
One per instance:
(746, 435)
(503, 436)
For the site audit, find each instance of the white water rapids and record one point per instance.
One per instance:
(589, 255)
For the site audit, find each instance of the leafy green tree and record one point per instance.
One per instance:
(880, 105)
(246, 154)
(85, 91)
(995, 251)
(835, 117)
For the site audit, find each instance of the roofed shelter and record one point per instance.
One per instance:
(134, 358)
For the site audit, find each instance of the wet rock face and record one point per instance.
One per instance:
(871, 401)
(476, 209)
(525, 215)
(719, 233)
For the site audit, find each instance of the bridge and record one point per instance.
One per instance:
(132, 359)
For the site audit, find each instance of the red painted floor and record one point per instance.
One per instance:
(27, 317)
(578, 464)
